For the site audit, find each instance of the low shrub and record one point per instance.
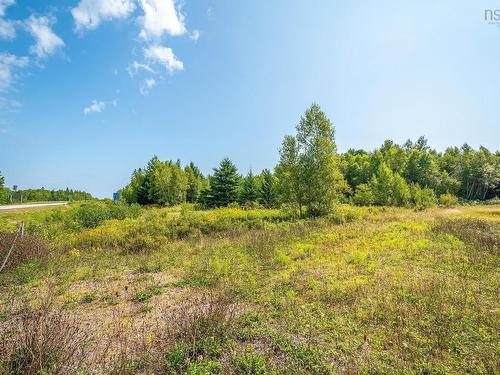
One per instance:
(44, 340)
(26, 248)
(91, 215)
(250, 363)
(448, 200)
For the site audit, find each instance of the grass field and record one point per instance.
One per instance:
(171, 291)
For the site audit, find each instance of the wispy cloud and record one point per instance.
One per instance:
(164, 56)
(8, 64)
(160, 17)
(4, 4)
(133, 68)
(47, 42)
(147, 85)
(195, 35)
(7, 27)
(95, 106)
(7, 30)
(90, 13)
(99, 106)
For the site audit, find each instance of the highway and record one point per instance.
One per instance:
(30, 205)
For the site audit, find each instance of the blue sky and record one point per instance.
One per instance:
(91, 89)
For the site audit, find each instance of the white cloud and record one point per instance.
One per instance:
(160, 16)
(46, 41)
(90, 13)
(8, 63)
(115, 102)
(133, 68)
(195, 35)
(95, 106)
(163, 56)
(147, 85)
(7, 29)
(4, 4)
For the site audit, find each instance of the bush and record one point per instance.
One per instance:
(428, 198)
(92, 215)
(448, 200)
(422, 198)
(363, 195)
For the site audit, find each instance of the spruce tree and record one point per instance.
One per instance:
(224, 184)
(267, 196)
(249, 192)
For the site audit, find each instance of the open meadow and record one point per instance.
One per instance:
(364, 290)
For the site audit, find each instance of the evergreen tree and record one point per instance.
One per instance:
(267, 196)
(249, 192)
(224, 184)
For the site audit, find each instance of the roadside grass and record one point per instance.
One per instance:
(366, 290)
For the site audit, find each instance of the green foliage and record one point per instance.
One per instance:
(249, 191)
(309, 169)
(164, 183)
(224, 184)
(195, 183)
(464, 172)
(448, 200)
(422, 198)
(310, 175)
(147, 293)
(364, 195)
(40, 195)
(209, 367)
(400, 191)
(250, 363)
(268, 193)
(92, 215)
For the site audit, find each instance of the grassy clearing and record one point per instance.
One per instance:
(366, 290)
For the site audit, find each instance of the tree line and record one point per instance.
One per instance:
(312, 176)
(39, 195)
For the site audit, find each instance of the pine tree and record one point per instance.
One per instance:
(224, 184)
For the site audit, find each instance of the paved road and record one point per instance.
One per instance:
(30, 205)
